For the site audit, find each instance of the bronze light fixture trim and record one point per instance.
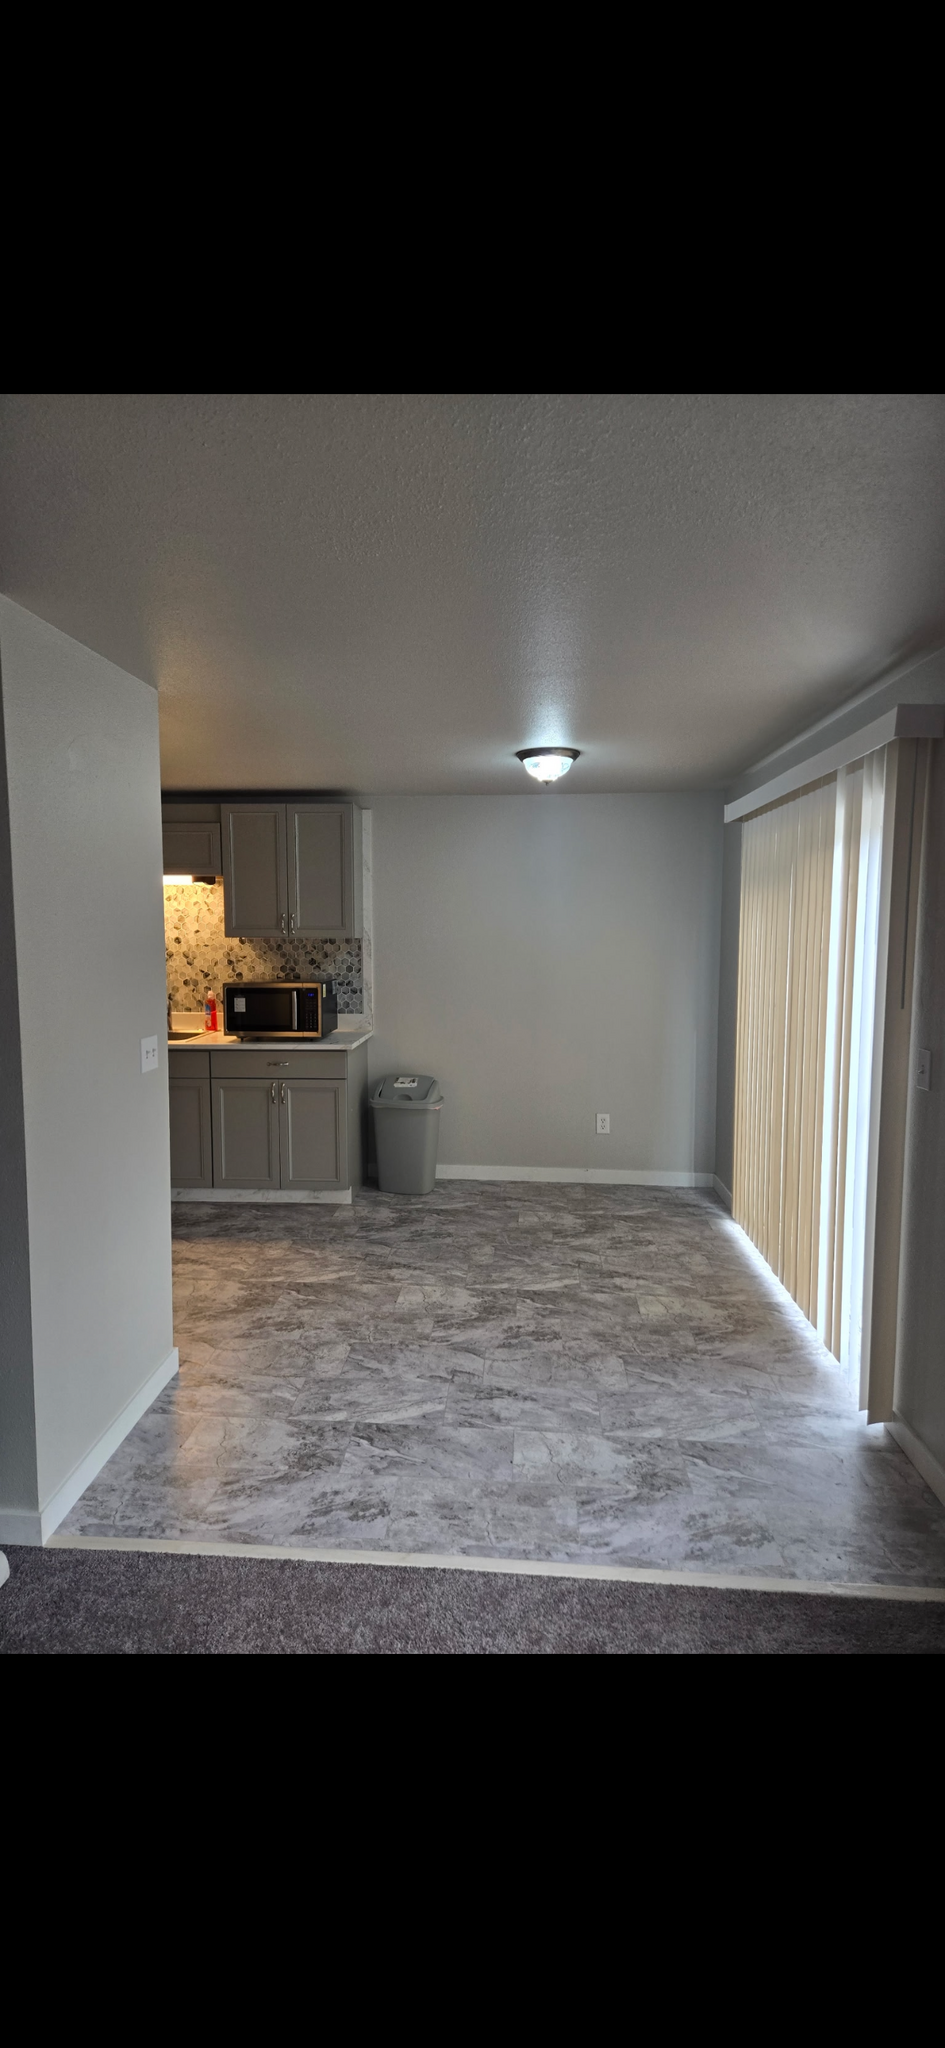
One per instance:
(547, 764)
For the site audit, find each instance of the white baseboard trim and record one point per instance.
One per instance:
(528, 1567)
(923, 1459)
(724, 1193)
(260, 1194)
(23, 1525)
(598, 1176)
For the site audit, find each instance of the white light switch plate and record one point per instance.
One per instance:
(149, 1055)
(923, 1069)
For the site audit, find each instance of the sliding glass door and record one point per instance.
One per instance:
(809, 931)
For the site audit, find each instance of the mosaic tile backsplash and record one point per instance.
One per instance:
(200, 956)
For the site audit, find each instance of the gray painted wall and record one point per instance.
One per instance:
(550, 955)
(920, 1380)
(17, 1413)
(728, 1004)
(85, 852)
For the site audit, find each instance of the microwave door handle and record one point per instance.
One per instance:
(295, 1010)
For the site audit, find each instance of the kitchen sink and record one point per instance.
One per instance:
(184, 1034)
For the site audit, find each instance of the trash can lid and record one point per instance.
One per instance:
(407, 1091)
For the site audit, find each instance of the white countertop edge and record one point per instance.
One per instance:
(217, 1041)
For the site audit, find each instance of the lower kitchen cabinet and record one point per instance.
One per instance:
(191, 1152)
(278, 1134)
(245, 1119)
(248, 1119)
(312, 1148)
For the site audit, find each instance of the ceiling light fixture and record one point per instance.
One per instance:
(547, 764)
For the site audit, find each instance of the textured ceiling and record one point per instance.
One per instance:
(395, 592)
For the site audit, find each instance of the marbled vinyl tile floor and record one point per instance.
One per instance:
(510, 1370)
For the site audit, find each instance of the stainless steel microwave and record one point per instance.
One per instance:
(280, 1009)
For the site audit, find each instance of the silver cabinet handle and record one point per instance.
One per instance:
(292, 920)
(273, 1091)
(283, 924)
(282, 1086)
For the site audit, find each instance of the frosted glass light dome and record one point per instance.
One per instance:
(547, 764)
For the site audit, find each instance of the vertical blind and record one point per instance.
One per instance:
(849, 1059)
(787, 867)
(806, 991)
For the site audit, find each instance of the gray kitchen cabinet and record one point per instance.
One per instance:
(323, 884)
(245, 1117)
(291, 869)
(312, 1134)
(191, 1152)
(255, 877)
(191, 847)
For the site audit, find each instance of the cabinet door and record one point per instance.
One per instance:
(245, 1134)
(312, 1134)
(321, 891)
(191, 1157)
(191, 849)
(255, 900)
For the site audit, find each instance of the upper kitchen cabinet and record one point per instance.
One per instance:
(255, 887)
(324, 851)
(191, 847)
(291, 870)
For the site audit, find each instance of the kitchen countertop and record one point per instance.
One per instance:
(220, 1041)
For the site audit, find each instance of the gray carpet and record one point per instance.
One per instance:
(108, 1603)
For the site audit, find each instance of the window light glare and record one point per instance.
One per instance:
(547, 765)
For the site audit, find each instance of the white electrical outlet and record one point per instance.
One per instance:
(923, 1068)
(149, 1055)
(603, 1123)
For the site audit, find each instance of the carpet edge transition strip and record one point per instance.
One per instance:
(639, 1575)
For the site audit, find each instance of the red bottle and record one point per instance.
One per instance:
(210, 1014)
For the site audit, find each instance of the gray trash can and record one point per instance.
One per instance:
(406, 1124)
